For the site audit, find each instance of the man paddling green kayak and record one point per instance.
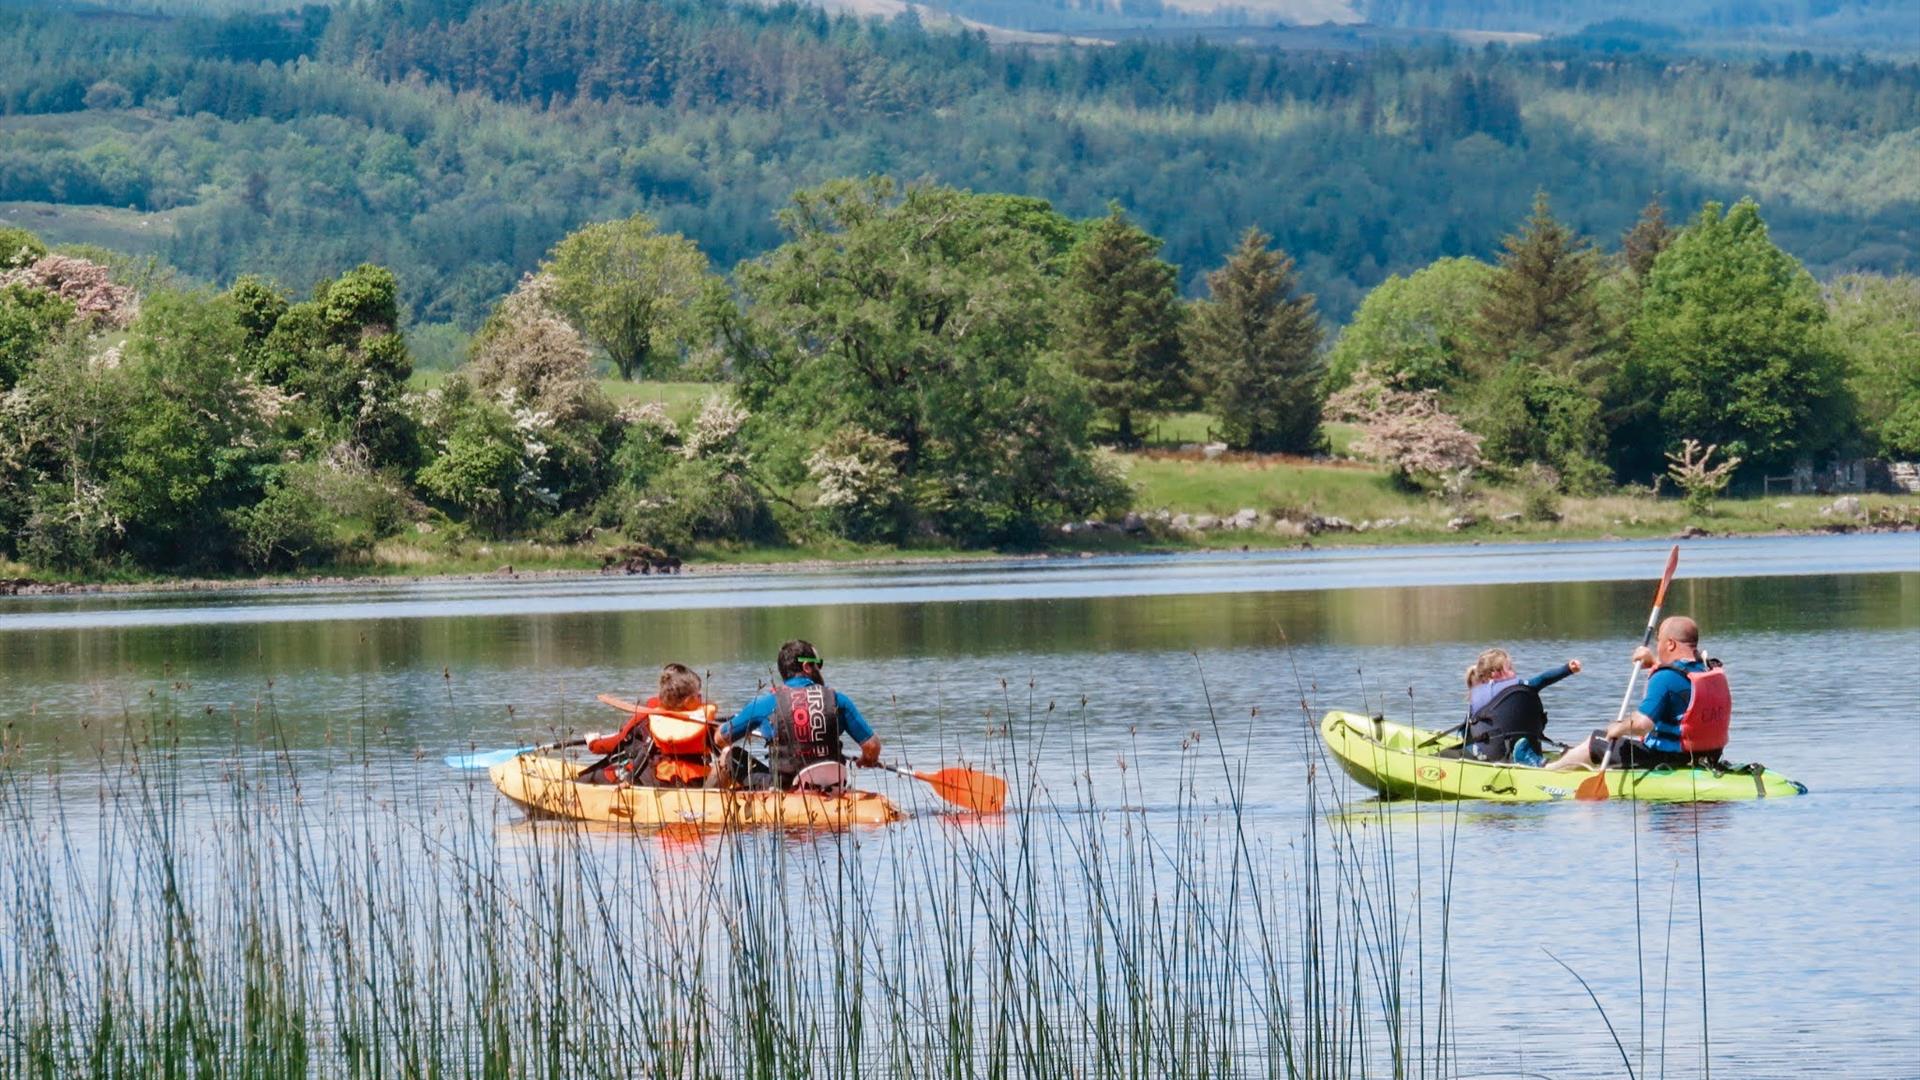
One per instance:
(1682, 719)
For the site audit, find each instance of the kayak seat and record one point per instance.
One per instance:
(821, 776)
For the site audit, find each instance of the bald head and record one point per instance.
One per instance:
(1681, 631)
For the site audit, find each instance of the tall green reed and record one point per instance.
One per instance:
(249, 909)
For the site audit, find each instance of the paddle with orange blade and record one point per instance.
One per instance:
(1594, 788)
(965, 788)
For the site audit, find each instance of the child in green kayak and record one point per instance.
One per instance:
(1505, 720)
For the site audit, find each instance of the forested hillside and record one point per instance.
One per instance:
(456, 140)
(1839, 23)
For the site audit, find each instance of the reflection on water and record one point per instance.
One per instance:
(1110, 663)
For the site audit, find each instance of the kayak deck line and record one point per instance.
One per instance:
(1400, 761)
(545, 784)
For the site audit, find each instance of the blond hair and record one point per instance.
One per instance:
(679, 687)
(1490, 663)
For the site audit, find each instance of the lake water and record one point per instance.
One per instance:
(1148, 693)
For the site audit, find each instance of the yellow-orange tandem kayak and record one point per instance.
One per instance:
(1403, 762)
(545, 784)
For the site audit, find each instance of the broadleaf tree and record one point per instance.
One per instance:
(923, 318)
(1731, 346)
(632, 290)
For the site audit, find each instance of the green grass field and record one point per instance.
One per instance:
(1270, 485)
(682, 400)
(128, 231)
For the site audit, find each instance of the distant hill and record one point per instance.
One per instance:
(456, 140)
(1879, 25)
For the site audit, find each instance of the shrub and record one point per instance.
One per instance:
(1540, 503)
(282, 529)
(1406, 430)
(857, 476)
(1697, 478)
(19, 248)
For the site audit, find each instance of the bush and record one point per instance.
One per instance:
(69, 529)
(479, 466)
(1540, 502)
(19, 248)
(857, 476)
(1900, 433)
(1406, 430)
(694, 501)
(283, 529)
(1531, 416)
(1693, 472)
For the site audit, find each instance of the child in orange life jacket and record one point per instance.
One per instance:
(664, 743)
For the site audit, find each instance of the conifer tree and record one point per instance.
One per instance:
(1120, 323)
(1646, 240)
(1541, 307)
(1255, 344)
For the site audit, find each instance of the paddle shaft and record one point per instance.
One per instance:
(633, 707)
(964, 788)
(1646, 641)
(480, 759)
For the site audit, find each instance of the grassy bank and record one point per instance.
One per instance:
(1287, 492)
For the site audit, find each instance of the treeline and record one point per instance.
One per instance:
(910, 365)
(455, 142)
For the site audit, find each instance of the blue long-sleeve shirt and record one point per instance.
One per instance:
(1478, 697)
(758, 713)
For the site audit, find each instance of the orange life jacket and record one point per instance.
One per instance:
(1703, 727)
(681, 738)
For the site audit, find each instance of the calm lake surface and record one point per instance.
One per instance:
(1160, 690)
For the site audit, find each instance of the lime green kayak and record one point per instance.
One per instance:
(1383, 755)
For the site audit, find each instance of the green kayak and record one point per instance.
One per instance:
(1383, 755)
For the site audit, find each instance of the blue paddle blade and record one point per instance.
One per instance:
(486, 759)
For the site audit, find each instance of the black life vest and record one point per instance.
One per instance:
(1513, 714)
(806, 729)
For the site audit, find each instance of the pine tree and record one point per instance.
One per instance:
(1646, 240)
(1120, 323)
(1255, 343)
(1541, 305)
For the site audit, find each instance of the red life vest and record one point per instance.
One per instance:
(1703, 727)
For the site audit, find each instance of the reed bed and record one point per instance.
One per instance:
(185, 910)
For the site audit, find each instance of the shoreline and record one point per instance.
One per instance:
(20, 587)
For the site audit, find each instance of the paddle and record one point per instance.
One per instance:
(487, 759)
(1594, 788)
(630, 707)
(977, 791)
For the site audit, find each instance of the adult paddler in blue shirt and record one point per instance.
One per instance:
(1682, 719)
(802, 718)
